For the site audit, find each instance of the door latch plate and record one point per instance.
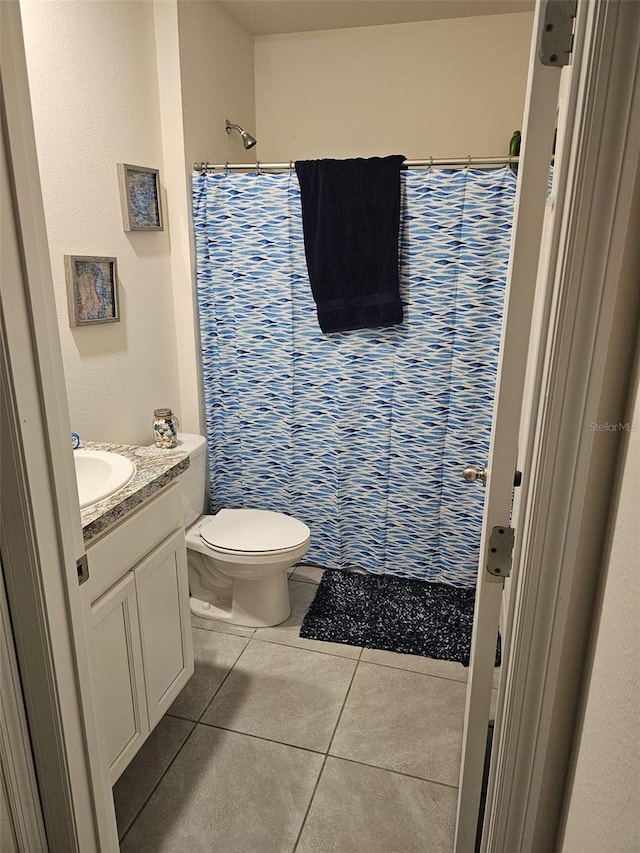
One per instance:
(500, 550)
(82, 566)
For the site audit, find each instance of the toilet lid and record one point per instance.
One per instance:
(253, 530)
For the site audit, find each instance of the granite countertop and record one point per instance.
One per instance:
(155, 469)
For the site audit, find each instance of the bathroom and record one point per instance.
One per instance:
(152, 84)
(569, 763)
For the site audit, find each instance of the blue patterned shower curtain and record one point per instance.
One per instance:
(364, 434)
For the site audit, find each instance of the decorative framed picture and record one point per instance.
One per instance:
(140, 198)
(92, 290)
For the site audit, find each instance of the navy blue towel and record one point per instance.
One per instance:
(351, 223)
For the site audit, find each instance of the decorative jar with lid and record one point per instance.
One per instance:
(165, 428)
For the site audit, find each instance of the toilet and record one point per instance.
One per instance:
(237, 559)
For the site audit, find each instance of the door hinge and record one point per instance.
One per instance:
(556, 44)
(500, 550)
(82, 565)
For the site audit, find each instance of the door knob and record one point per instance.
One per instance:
(473, 473)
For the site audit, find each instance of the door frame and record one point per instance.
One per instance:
(22, 810)
(586, 346)
(530, 212)
(40, 529)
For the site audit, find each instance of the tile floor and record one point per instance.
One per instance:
(284, 745)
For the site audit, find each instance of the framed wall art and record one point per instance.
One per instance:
(92, 290)
(140, 198)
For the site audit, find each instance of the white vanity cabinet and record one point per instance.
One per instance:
(118, 675)
(136, 603)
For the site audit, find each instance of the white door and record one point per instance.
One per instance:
(539, 124)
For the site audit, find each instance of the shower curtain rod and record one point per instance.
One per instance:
(432, 162)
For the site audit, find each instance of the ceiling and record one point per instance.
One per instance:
(267, 17)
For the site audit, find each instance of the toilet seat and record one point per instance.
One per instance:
(253, 531)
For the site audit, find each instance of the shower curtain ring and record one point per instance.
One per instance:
(226, 168)
(468, 166)
(431, 163)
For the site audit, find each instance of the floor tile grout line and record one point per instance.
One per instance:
(261, 737)
(226, 633)
(178, 717)
(307, 649)
(329, 753)
(200, 721)
(414, 671)
(155, 787)
(344, 657)
(290, 645)
(295, 579)
(326, 755)
(193, 728)
(390, 770)
(342, 707)
(194, 725)
(233, 666)
(219, 687)
(308, 809)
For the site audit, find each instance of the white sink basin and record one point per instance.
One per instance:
(100, 473)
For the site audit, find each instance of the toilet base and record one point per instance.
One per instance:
(256, 603)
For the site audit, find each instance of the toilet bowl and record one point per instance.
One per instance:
(238, 562)
(237, 559)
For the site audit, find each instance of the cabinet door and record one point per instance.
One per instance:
(165, 623)
(120, 686)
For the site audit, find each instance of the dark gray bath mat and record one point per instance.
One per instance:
(395, 614)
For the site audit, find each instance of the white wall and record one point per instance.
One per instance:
(92, 75)
(604, 808)
(212, 62)
(178, 183)
(217, 67)
(446, 88)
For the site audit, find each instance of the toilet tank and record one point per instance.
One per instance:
(192, 482)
